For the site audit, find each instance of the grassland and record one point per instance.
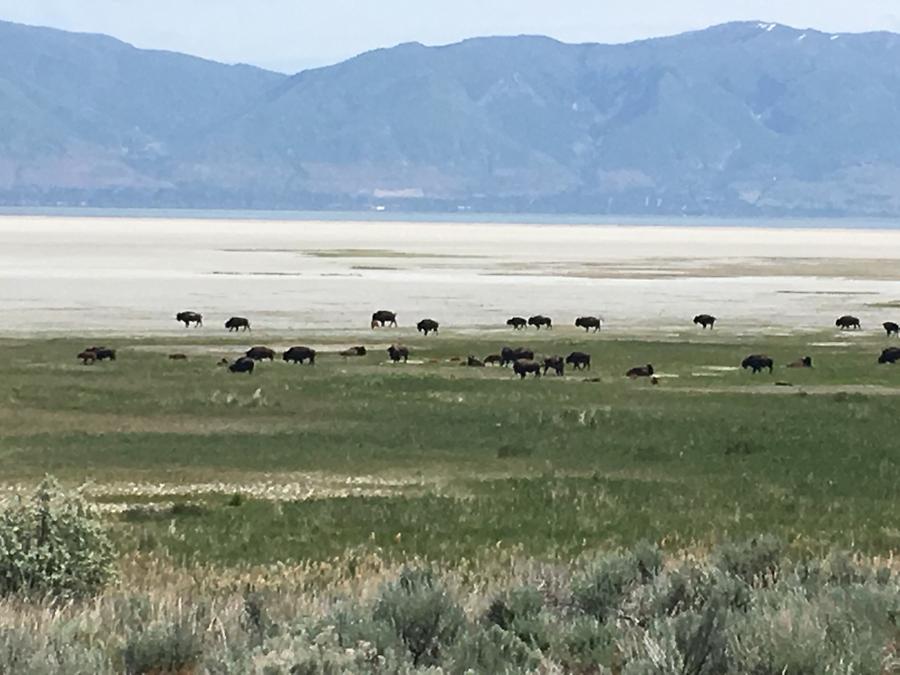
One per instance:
(444, 462)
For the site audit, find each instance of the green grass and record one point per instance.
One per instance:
(457, 459)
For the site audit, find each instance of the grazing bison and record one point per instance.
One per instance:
(847, 321)
(242, 365)
(299, 355)
(427, 326)
(260, 353)
(354, 351)
(523, 367)
(890, 355)
(517, 322)
(588, 322)
(758, 362)
(509, 355)
(805, 362)
(641, 371)
(102, 353)
(87, 357)
(188, 318)
(178, 357)
(396, 352)
(473, 362)
(539, 320)
(579, 360)
(705, 320)
(556, 364)
(493, 359)
(383, 317)
(236, 323)
(891, 328)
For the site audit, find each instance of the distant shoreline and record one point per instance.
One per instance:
(468, 217)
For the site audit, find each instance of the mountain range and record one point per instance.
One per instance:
(739, 119)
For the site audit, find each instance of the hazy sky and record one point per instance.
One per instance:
(290, 35)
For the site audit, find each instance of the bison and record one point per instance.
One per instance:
(427, 326)
(845, 322)
(891, 328)
(523, 367)
(300, 355)
(588, 322)
(383, 317)
(556, 364)
(188, 318)
(805, 362)
(579, 360)
(178, 357)
(260, 353)
(102, 353)
(242, 365)
(87, 357)
(493, 359)
(890, 355)
(473, 362)
(237, 323)
(517, 322)
(705, 320)
(640, 371)
(396, 352)
(757, 363)
(509, 355)
(539, 320)
(354, 351)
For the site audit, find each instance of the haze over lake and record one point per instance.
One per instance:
(130, 275)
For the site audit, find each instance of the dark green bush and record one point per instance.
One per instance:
(162, 648)
(601, 590)
(422, 614)
(519, 612)
(53, 544)
(756, 562)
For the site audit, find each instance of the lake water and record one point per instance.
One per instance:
(130, 275)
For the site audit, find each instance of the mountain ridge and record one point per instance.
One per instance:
(746, 118)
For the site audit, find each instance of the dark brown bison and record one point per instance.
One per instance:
(87, 357)
(242, 365)
(188, 318)
(237, 323)
(579, 360)
(383, 317)
(427, 326)
(517, 322)
(493, 359)
(847, 321)
(511, 354)
(556, 364)
(473, 362)
(891, 328)
(398, 353)
(757, 363)
(102, 353)
(539, 320)
(355, 351)
(640, 371)
(260, 353)
(805, 362)
(300, 355)
(523, 367)
(178, 357)
(705, 320)
(588, 322)
(890, 355)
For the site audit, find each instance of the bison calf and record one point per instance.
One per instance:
(523, 367)
(398, 353)
(556, 364)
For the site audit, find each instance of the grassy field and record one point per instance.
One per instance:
(437, 460)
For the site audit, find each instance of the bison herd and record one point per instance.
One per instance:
(521, 359)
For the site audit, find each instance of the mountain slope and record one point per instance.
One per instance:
(737, 119)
